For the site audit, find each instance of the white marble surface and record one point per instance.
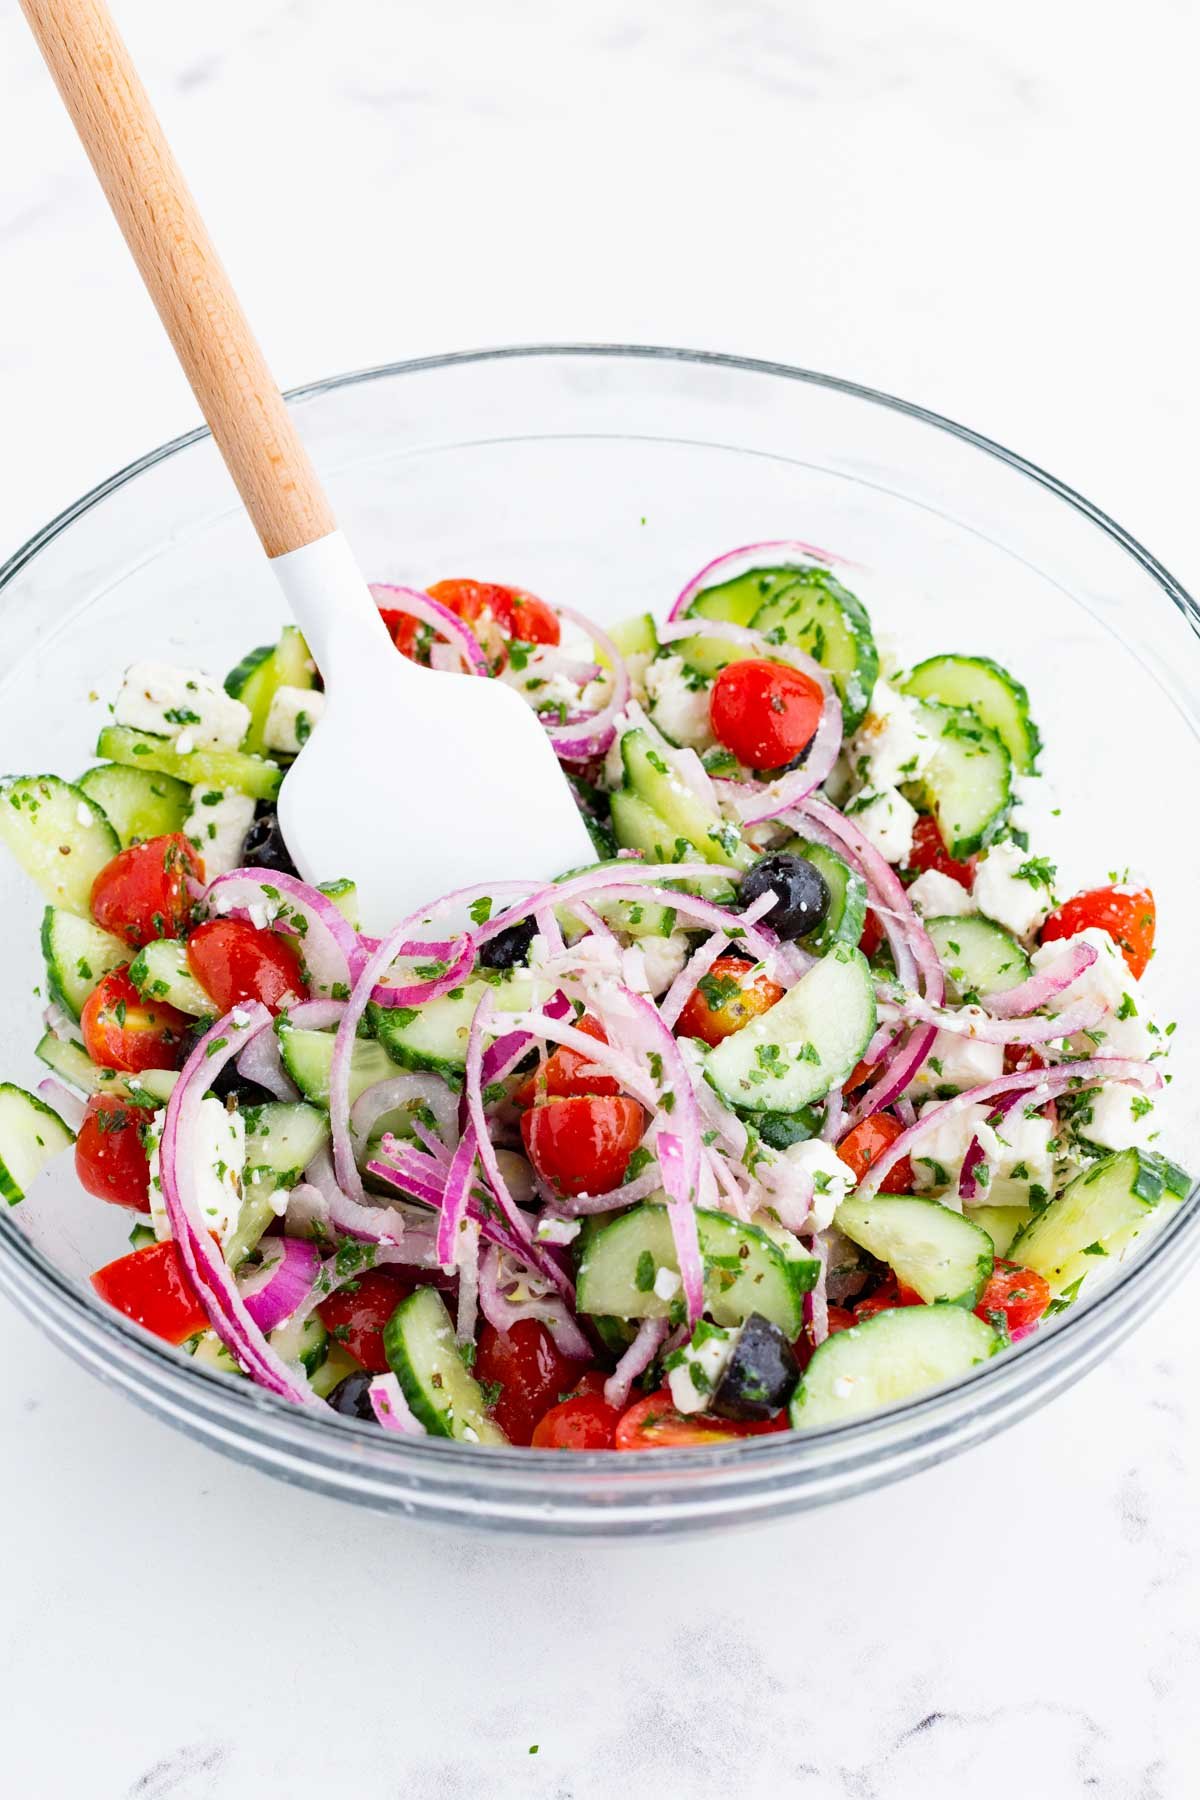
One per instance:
(988, 210)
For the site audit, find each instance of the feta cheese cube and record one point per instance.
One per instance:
(892, 745)
(291, 718)
(174, 703)
(886, 820)
(1108, 982)
(956, 1061)
(937, 1157)
(217, 826)
(1025, 1159)
(220, 1162)
(698, 1367)
(806, 1183)
(1116, 1117)
(663, 958)
(938, 896)
(1019, 902)
(558, 1231)
(667, 1284)
(677, 704)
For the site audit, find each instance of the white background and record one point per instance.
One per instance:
(989, 211)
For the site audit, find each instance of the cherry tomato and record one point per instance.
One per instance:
(583, 1144)
(487, 608)
(152, 1287)
(234, 961)
(867, 1143)
(765, 712)
(886, 1298)
(859, 1076)
(656, 1424)
(724, 1001)
(110, 1158)
(533, 621)
(584, 1422)
(356, 1314)
(929, 852)
(123, 1031)
(840, 1319)
(143, 892)
(559, 1074)
(529, 1371)
(1018, 1293)
(1126, 913)
(871, 940)
(1020, 1056)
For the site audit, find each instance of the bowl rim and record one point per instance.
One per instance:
(1014, 1374)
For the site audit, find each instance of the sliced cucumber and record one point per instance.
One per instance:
(258, 676)
(707, 656)
(282, 1137)
(737, 601)
(434, 1036)
(843, 923)
(306, 1344)
(816, 614)
(337, 1365)
(211, 1353)
(968, 780)
(252, 775)
(636, 636)
(344, 895)
(72, 1063)
(308, 1055)
(1097, 1216)
(978, 956)
(932, 1249)
(161, 971)
(156, 1084)
(30, 1134)
(745, 1269)
(138, 804)
(442, 1393)
(994, 695)
(1001, 1223)
(59, 837)
(651, 778)
(805, 1044)
(889, 1358)
(78, 957)
(637, 826)
(644, 918)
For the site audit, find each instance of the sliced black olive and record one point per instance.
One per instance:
(351, 1397)
(803, 893)
(760, 1374)
(264, 847)
(508, 948)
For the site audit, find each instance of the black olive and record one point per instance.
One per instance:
(508, 948)
(351, 1397)
(264, 847)
(760, 1375)
(246, 1093)
(804, 896)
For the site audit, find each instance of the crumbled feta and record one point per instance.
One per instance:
(664, 958)
(892, 745)
(677, 705)
(810, 1179)
(558, 1231)
(159, 698)
(158, 1210)
(1025, 1158)
(635, 667)
(938, 896)
(1013, 900)
(220, 1151)
(886, 820)
(294, 712)
(1135, 1038)
(667, 1284)
(955, 1062)
(1117, 1117)
(217, 826)
(185, 743)
(1108, 981)
(937, 1156)
(699, 1367)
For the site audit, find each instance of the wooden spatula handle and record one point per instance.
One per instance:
(182, 271)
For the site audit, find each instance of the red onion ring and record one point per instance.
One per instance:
(976, 1156)
(431, 612)
(985, 1030)
(1030, 996)
(592, 736)
(328, 942)
(273, 1292)
(681, 1210)
(549, 1309)
(651, 1335)
(69, 1107)
(781, 553)
(391, 1409)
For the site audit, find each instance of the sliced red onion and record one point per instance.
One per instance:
(1030, 996)
(397, 1091)
(973, 1022)
(60, 1024)
(369, 1224)
(468, 1282)
(816, 1301)
(273, 1292)
(681, 1210)
(592, 736)
(501, 1057)
(602, 1057)
(391, 1409)
(580, 1206)
(497, 1274)
(328, 942)
(651, 1335)
(69, 1107)
(835, 1116)
(431, 612)
(423, 1180)
(416, 993)
(260, 1062)
(316, 1015)
(453, 1220)
(773, 553)
(898, 1068)
(307, 1212)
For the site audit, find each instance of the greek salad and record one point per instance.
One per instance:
(809, 1094)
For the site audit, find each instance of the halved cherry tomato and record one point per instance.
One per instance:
(584, 1421)
(1020, 1294)
(143, 892)
(533, 621)
(123, 1031)
(234, 961)
(724, 1001)
(1020, 1056)
(867, 1143)
(859, 1076)
(872, 935)
(559, 1074)
(487, 608)
(1126, 913)
(886, 1298)
(765, 712)
(583, 1144)
(356, 1314)
(529, 1371)
(840, 1319)
(929, 852)
(655, 1423)
(152, 1287)
(110, 1158)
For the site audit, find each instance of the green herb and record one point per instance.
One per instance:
(481, 909)
(643, 1278)
(1038, 871)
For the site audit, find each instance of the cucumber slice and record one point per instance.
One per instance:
(1097, 1216)
(968, 781)
(74, 1065)
(805, 1044)
(889, 1358)
(308, 1055)
(282, 1137)
(78, 957)
(707, 656)
(746, 1269)
(636, 636)
(994, 695)
(644, 918)
(344, 895)
(211, 1353)
(59, 837)
(30, 1134)
(156, 1084)
(258, 676)
(637, 826)
(1001, 1223)
(978, 956)
(337, 1365)
(306, 1344)
(252, 775)
(138, 804)
(651, 778)
(160, 971)
(816, 614)
(843, 923)
(434, 1036)
(442, 1393)
(737, 601)
(931, 1248)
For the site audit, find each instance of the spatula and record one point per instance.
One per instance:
(417, 781)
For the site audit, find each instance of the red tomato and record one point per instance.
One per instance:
(723, 1002)
(123, 1031)
(1127, 914)
(529, 1372)
(143, 892)
(559, 1074)
(765, 712)
(929, 852)
(233, 961)
(886, 1298)
(1020, 1056)
(1017, 1293)
(583, 1144)
(840, 1319)
(356, 1314)
(859, 1076)
(110, 1158)
(152, 1287)
(487, 608)
(655, 1424)
(867, 1143)
(584, 1422)
(533, 621)
(872, 935)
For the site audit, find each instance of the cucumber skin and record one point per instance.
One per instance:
(855, 685)
(252, 775)
(58, 894)
(961, 842)
(412, 1384)
(854, 1219)
(10, 1188)
(843, 924)
(875, 1332)
(159, 813)
(1152, 1178)
(757, 1031)
(55, 981)
(1025, 756)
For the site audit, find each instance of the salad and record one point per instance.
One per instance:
(809, 1094)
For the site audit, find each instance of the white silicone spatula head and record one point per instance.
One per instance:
(416, 782)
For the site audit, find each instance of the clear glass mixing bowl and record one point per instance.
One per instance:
(605, 477)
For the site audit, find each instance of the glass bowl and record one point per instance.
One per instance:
(605, 477)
